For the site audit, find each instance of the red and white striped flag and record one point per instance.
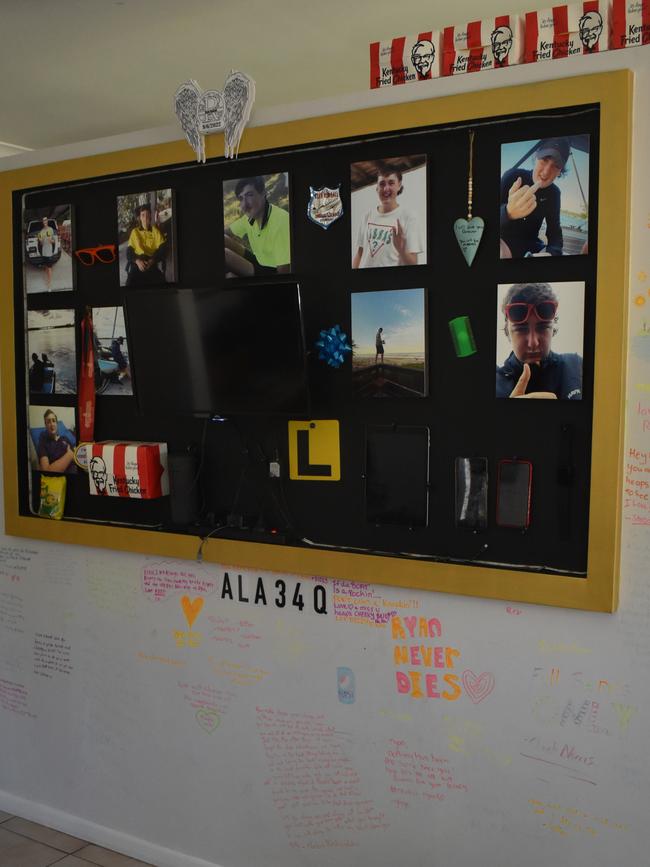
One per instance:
(630, 23)
(566, 31)
(405, 59)
(488, 44)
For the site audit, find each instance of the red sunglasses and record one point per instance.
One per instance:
(105, 253)
(519, 311)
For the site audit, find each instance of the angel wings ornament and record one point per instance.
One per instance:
(186, 106)
(239, 96)
(203, 112)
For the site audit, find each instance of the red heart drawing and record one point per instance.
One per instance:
(479, 686)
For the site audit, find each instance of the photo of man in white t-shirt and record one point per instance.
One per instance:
(389, 232)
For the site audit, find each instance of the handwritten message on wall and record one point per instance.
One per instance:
(415, 651)
(415, 656)
(225, 630)
(636, 493)
(357, 602)
(51, 655)
(208, 702)
(15, 562)
(418, 776)
(238, 673)
(14, 698)
(313, 783)
(12, 615)
(570, 821)
(160, 580)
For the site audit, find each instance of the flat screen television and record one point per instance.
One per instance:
(207, 352)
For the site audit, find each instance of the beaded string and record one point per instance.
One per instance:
(470, 182)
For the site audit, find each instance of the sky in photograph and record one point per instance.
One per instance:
(400, 312)
(109, 322)
(49, 318)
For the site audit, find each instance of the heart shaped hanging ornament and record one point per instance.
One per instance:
(470, 231)
(468, 234)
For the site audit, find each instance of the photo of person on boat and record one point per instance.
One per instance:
(112, 367)
(52, 366)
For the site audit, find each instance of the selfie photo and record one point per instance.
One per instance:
(544, 206)
(540, 331)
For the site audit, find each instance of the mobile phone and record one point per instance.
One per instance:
(514, 481)
(397, 475)
(471, 487)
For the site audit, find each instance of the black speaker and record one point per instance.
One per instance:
(184, 488)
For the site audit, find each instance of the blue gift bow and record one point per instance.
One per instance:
(332, 345)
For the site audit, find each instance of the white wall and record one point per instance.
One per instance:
(240, 750)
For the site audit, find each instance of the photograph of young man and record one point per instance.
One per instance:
(532, 198)
(55, 452)
(388, 234)
(266, 229)
(530, 320)
(146, 250)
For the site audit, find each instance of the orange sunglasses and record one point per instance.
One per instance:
(105, 253)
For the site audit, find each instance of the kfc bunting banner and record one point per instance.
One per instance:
(566, 31)
(488, 44)
(629, 23)
(405, 59)
(133, 470)
(553, 33)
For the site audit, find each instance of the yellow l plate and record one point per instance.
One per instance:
(314, 451)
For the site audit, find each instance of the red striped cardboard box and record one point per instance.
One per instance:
(133, 470)
(405, 59)
(492, 43)
(629, 23)
(566, 31)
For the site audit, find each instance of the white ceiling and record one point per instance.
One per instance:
(74, 70)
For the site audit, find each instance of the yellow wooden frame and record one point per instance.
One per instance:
(599, 590)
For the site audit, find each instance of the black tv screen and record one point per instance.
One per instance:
(218, 351)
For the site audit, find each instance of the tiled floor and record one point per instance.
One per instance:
(26, 844)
